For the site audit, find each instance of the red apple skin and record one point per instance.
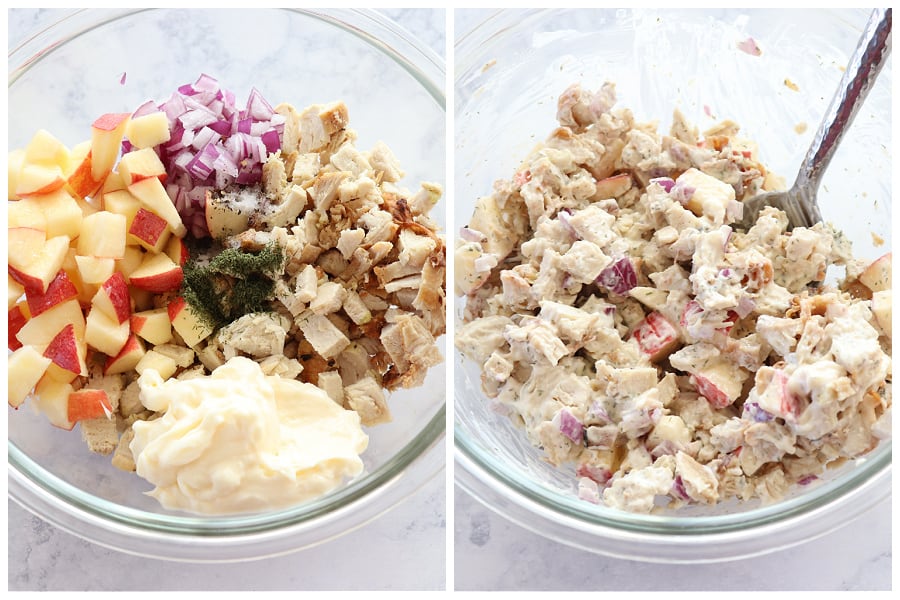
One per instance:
(117, 291)
(31, 284)
(81, 181)
(88, 404)
(149, 228)
(178, 251)
(110, 121)
(163, 281)
(656, 337)
(706, 388)
(131, 352)
(59, 290)
(17, 320)
(63, 351)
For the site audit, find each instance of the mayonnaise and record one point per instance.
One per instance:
(240, 441)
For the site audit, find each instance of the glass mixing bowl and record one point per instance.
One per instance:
(65, 76)
(509, 71)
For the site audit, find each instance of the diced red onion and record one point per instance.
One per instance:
(213, 143)
(750, 47)
(744, 307)
(665, 182)
(734, 211)
(596, 474)
(619, 277)
(682, 193)
(147, 108)
(122, 78)
(468, 234)
(569, 426)
(588, 490)
(678, 491)
(806, 480)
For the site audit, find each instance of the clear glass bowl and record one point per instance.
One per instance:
(509, 71)
(65, 76)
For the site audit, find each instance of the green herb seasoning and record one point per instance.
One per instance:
(234, 283)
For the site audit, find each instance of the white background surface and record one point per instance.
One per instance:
(491, 553)
(403, 549)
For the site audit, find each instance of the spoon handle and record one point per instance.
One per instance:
(871, 52)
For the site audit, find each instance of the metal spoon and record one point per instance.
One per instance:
(799, 202)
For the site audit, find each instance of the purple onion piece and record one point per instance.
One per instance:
(683, 193)
(569, 426)
(665, 182)
(678, 491)
(753, 412)
(619, 278)
(806, 480)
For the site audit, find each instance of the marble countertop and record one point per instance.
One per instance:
(412, 534)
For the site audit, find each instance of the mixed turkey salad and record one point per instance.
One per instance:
(634, 333)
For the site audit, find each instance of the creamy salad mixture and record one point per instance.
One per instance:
(634, 333)
(221, 296)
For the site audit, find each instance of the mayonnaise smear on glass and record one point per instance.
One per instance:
(240, 441)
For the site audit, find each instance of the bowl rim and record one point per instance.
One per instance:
(239, 537)
(507, 490)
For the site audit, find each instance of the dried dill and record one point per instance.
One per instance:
(233, 283)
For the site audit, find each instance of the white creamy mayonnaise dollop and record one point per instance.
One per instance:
(240, 441)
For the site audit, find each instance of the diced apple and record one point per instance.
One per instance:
(153, 195)
(67, 354)
(38, 274)
(881, 310)
(26, 213)
(710, 196)
(141, 164)
(113, 299)
(160, 363)
(129, 263)
(81, 181)
(113, 183)
(149, 130)
(36, 179)
(17, 317)
(613, 187)
(51, 398)
(102, 235)
(106, 139)
(25, 367)
(95, 269)
(14, 164)
(122, 202)
(62, 213)
(24, 245)
(655, 336)
(103, 333)
(88, 403)
(45, 149)
(177, 250)
(720, 382)
(127, 358)
(60, 290)
(187, 322)
(877, 276)
(14, 291)
(40, 330)
(149, 230)
(152, 325)
(157, 274)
